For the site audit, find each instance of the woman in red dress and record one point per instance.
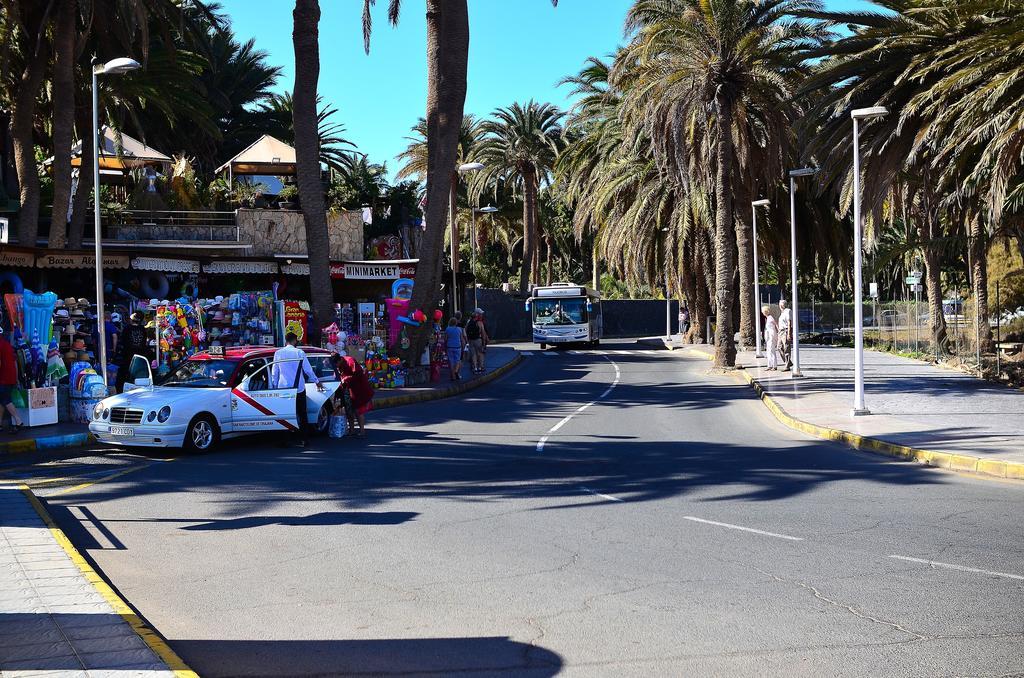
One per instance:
(353, 378)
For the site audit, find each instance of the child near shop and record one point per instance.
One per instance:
(360, 393)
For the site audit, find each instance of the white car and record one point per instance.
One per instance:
(210, 397)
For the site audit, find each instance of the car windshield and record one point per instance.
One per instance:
(559, 311)
(200, 374)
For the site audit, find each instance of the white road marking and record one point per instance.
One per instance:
(745, 529)
(603, 496)
(527, 352)
(618, 375)
(962, 568)
(550, 353)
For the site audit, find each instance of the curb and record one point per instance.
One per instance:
(1009, 470)
(45, 443)
(656, 342)
(438, 394)
(71, 440)
(151, 638)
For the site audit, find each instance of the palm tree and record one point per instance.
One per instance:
(519, 149)
(305, 37)
(277, 115)
(693, 73)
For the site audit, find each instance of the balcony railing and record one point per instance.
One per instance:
(170, 225)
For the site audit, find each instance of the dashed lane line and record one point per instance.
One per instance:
(618, 374)
(744, 529)
(603, 496)
(962, 568)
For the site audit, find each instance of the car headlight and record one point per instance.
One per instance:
(164, 414)
(151, 416)
(98, 410)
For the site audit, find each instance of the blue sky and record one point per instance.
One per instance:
(519, 49)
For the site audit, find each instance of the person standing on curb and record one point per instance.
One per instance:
(454, 346)
(291, 369)
(8, 382)
(476, 333)
(785, 334)
(771, 338)
(684, 321)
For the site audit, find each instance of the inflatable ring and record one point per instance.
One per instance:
(154, 285)
(14, 279)
(190, 290)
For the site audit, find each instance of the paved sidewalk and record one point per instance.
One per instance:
(53, 619)
(913, 404)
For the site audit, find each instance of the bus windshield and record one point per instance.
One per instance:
(559, 311)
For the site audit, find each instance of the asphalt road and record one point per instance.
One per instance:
(671, 527)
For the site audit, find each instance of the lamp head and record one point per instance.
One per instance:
(803, 172)
(117, 66)
(873, 112)
(764, 202)
(471, 166)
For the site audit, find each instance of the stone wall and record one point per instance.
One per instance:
(282, 232)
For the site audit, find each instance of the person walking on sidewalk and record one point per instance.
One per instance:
(454, 346)
(8, 382)
(291, 369)
(475, 334)
(785, 334)
(771, 338)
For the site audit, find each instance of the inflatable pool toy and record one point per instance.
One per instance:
(38, 313)
(14, 280)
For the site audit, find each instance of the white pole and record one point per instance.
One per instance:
(795, 323)
(859, 408)
(97, 236)
(757, 294)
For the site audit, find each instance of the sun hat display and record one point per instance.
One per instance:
(62, 313)
(82, 301)
(77, 313)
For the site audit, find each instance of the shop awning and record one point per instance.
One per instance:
(10, 258)
(265, 156)
(162, 264)
(133, 153)
(66, 259)
(263, 267)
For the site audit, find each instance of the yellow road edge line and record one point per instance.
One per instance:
(116, 474)
(956, 462)
(149, 636)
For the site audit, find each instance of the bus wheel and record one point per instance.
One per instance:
(543, 346)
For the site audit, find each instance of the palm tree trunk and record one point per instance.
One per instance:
(979, 275)
(23, 109)
(306, 41)
(746, 271)
(447, 61)
(725, 238)
(529, 267)
(547, 266)
(63, 120)
(80, 205)
(453, 221)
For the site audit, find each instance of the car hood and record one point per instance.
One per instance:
(158, 396)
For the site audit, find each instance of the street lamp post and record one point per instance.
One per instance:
(859, 408)
(452, 207)
(490, 209)
(112, 67)
(757, 284)
(668, 299)
(795, 321)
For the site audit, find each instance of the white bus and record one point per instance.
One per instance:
(565, 314)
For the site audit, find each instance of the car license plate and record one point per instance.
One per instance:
(122, 431)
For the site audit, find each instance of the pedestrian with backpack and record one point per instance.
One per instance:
(476, 333)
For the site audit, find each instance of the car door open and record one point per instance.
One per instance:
(140, 374)
(256, 405)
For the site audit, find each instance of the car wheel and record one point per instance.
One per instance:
(202, 434)
(323, 421)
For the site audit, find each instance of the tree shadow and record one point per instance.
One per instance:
(85, 642)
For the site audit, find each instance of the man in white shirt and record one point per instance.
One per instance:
(291, 369)
(786, 335)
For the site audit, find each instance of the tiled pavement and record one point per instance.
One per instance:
(53, 621)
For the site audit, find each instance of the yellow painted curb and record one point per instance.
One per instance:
(955, 462)
(438, 394)
(148, 635)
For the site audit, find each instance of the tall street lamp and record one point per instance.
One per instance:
(859, 408)
(452, 207)
(490, 209)
(112, 67)
(757, 280)
(795, 321)
(668, 299)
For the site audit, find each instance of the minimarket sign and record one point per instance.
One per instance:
(368, 271)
